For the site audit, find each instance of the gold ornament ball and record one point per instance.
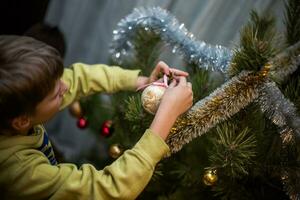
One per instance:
(151, 97)
(76, 110)
(210, 177)
(115, 151)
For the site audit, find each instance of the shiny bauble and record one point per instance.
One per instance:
(82, 123)
(210, 177)
(107, 128)
(76, 110)
(115, 151)
(151, 97)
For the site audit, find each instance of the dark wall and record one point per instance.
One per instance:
(16, 16)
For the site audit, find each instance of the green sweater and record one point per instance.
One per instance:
(27, 170)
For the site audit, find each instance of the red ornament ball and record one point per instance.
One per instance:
(82, 123)
(107, 128)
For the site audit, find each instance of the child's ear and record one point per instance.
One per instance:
(21, 123)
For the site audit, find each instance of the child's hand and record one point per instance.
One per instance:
(177, 99)
(161, 67)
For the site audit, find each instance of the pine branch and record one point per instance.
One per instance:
(256, 43)
(134, 113)
(203, 81)
(233, 151)
(134, 109)
(200, 84)
(144, 58)
(292, 21)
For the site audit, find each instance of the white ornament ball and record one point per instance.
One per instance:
(151, 97)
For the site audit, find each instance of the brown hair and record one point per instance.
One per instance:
(29, 70)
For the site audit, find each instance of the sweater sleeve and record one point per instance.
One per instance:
(83, 80)
(124, 179)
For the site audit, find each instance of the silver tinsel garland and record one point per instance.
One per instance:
(163, 24)
(285, 63)
(271, 100)
(280, 110)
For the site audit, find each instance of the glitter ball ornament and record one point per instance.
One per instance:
(76, 110)
(115, 151)
(82, 123)
(151, 97)
(107, 128)
(210, 177)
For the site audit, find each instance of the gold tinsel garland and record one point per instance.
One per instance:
(223, 103)
(236, 94)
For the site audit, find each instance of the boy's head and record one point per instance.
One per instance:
(29, 82)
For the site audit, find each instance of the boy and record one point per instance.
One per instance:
(34, 86)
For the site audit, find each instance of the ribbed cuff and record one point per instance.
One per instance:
(152, 146)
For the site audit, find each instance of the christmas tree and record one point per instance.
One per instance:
(240, 140)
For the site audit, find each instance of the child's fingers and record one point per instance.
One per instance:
(177, 72)
(189, 84)
(182, 81)
(172, 84)
(162, 66)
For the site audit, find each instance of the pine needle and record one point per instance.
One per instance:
(292, 21)
(256, 45)
(233, 151)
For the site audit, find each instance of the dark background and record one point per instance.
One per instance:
(16, 16)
